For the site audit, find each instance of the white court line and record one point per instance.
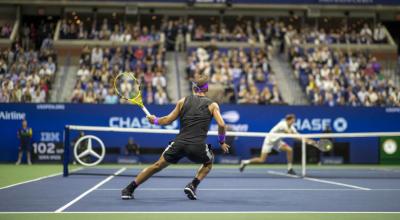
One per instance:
(336, 183)
(61, 209)
(37, 179)
(248, 189)
(319, 180)
(215, 212)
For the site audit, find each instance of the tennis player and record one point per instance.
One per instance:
(195, 113)
(286, 126)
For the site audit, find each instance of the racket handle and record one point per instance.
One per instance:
(146, 111)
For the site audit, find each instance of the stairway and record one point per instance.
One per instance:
(65, 80)
(177, 83)
(287, 83)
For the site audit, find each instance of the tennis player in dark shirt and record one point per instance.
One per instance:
(195, 113)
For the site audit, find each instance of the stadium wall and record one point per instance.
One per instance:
(48, 122)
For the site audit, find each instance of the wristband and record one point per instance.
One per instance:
(156, 121)
(221, 138)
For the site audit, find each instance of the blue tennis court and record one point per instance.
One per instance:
(258, 189)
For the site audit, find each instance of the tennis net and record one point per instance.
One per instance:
(353, 155)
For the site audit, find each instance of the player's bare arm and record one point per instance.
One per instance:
(308, 141)
(214, 109)
(166, 120)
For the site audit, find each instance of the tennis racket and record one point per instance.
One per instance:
(324, 145)
(127, 87)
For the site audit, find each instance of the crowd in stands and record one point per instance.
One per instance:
(107, 30)
(37, 35)
(99, 66)
(28, 67)
(337, 78)
(176, 33)
(344, 35)
(245, 74)
(26, 75)
(329, 77)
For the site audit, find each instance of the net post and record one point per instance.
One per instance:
(66, 151)
(303, 157)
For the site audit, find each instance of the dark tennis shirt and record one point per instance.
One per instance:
(195, 119)
(25, 136)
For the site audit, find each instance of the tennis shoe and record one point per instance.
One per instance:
(291, 172)
(190, 191)
(127, 194)
(242, 166)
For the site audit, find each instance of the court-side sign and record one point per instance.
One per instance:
(49, 120)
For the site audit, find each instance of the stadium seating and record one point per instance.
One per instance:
(26, 76)
(332, 77)
(99, 65)
(245, 73)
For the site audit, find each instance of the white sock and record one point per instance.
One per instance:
(246, 162)
(289, 166)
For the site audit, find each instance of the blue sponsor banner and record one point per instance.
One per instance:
(48, 122)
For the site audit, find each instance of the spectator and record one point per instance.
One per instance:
(111, 98)
(379, 34)
(38, 96)
(366, 34)
(97, 55)
(132, 148)
(5, 31)
(159, 81)
(90, 97)
(160, 98)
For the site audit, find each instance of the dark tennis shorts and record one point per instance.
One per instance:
(24, 147)
(197, 153)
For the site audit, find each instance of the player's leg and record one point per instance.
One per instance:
(151, 170)
(203, 171)
(198, 154)
(255, 160)
(266, 149)
(19, 155)
(172, 154)
(289, 156)
(144, 175)
(190, 189)
(28, 156)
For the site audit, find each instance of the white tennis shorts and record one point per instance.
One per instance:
(269, 144)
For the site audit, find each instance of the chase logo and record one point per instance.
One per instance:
(340, 124)
(231, 116)
(319, 124)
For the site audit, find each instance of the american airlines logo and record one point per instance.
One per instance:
(231, 116)
(4, 115)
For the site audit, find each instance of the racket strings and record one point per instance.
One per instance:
(128, 88)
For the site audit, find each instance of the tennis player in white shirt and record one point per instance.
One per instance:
(286, 126)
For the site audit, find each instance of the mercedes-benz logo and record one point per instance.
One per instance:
(88, 150)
